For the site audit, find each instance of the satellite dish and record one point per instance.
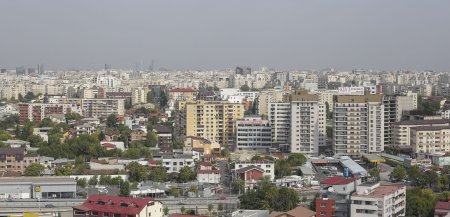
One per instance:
(330, 189)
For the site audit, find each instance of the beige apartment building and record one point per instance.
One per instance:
(266, 97)
(15, 160)
(429, 139)
(402, 130)
(358, 124)
(183, 94)
(212, 120)
(139, 95)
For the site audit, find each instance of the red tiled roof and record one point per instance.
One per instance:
(337, 180)
(108, 145)
(443, 205)
(248, 168)
(112, 204)
(205, 164)
(182, 90)
(209, 171)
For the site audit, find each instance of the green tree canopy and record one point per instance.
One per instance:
(245, 87)
(125, 189)
(268, 196)
(158, 174)
(137, 172)
(399, 173)
(34, 169)
(186, 174)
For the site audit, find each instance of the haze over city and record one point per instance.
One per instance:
(386, 35)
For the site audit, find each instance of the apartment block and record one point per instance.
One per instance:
(358, 124)
(430, 139)
(139, 95)
(39, 111)
(394, 107)
(308, 123)
(213, 120)
(378, 200)
(280, 119)
(402, 130)
(266, 97)
(183, 94)
(102, 107)
(253, 133)
(15, 160)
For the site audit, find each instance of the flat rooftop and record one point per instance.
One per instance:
(381, 191)
(23, 179)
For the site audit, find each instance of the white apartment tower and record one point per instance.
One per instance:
(358, 124)
(308, 123)
(279, 115)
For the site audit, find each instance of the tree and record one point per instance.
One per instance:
(137, 172)
(186, 174)
(82, 182)
(399, 173)
(4, 135)
(245, 87)
(282, 168)
(93, 180)
(238, 186)
(166, 210)
(101, 136)
(111, 121)
(34, 169)
(431, 178)
(183, 210)
(158, 174)
(220, 207)
(374, 173)
(420, 202)
(125, 189)
(193, 189)
(173, 191)
(151, 139)
(210, 208)
(65, 170)
(296, 159)
(268, 196)
(73, 116)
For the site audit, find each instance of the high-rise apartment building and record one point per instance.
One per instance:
(358, 124)
(213, 120)
(394, 107)
(253, 133)
(279, 115)
(308, 123)
(139, 95)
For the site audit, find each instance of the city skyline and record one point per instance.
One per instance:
(283, 35)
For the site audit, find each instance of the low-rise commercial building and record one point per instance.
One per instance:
(38, 187)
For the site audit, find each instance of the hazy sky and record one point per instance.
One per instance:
(213, 34)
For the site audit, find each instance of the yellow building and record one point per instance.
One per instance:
(212, 120)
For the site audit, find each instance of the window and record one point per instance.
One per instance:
(105, 214)
(323, 205)
(93, 213)
(322, 213)
(116, 215)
